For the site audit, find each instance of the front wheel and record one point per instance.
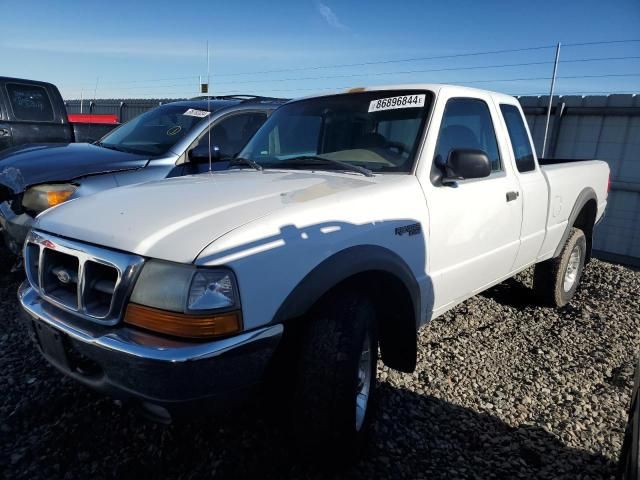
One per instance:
(556, 280)
(336, 379)
(8, 260)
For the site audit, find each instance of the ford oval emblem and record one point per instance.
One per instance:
(63, 276)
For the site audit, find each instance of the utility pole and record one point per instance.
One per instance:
(553, 84)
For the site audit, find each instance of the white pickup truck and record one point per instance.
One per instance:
(351, 220)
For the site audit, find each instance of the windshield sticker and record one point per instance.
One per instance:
(192, 112)
(174, 130)
(392, 103)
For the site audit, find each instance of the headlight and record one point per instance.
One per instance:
(41, 197)
(211, 290)
(185, 301)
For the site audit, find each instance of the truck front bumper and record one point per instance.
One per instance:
(129, 364)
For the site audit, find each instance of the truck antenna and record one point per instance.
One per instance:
(92, 104)
(209, 105)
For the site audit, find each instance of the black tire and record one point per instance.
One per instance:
(7, 260)
(324, 414)
(549, 276)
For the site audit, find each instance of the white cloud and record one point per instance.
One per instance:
(329, 16)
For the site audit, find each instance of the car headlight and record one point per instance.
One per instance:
(41, 197)
(185, 301)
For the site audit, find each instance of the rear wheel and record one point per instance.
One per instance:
(336, 379)
(556, 280)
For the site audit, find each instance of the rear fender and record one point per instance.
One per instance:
(583, 198)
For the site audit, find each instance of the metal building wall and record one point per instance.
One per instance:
(125, 109)
(606, 128)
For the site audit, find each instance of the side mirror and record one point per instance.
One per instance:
(200, 154)
(465, 163)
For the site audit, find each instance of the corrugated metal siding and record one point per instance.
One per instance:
(125, 109)
(615, 139)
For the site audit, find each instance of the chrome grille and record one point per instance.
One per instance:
(90, 281)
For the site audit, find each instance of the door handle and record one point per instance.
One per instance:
(511, 196)
(4, 132)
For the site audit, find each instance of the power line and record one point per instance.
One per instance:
(325, 77)
(407, 72)
(503, 80)
(606, 42)
(148, 80)
(375, 74)
(581, 92)
(498, 80)
(385, 62)
(381, 62)
(452, 81)
(416, 59)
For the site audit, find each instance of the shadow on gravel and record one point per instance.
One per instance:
(441, 440)
(73, 433)
(512, 293)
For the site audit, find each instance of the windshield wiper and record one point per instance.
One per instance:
(111, 147)
(314, 159)
(245, 161)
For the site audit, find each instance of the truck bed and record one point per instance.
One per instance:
(567, 180)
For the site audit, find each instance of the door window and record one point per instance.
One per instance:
(519, 139)
(466, 123)
(30, 102)
(232, 133)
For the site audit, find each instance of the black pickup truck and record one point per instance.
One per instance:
(34, 112)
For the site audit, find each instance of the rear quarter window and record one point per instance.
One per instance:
(30, 102)
(522, 150)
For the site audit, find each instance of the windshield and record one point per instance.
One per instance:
(379, 131)
(156, 131)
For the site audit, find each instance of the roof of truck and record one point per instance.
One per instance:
(24, 80)
(434, 87)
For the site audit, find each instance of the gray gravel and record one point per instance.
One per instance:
(504, 389)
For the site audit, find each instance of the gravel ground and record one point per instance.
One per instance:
(504, 389)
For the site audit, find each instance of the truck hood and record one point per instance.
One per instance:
(174, 219)
(64, 162)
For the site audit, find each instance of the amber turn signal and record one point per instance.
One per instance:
(183, 325)
(54, 198)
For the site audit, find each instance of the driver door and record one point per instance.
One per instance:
(474, 225)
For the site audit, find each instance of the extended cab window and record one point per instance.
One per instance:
(30, 102)
(378, 130)
(519, 139)
(466, 123)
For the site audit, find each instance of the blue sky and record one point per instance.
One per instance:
(157, 49)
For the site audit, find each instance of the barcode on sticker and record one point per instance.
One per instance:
(391, 103)
(192, 112)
